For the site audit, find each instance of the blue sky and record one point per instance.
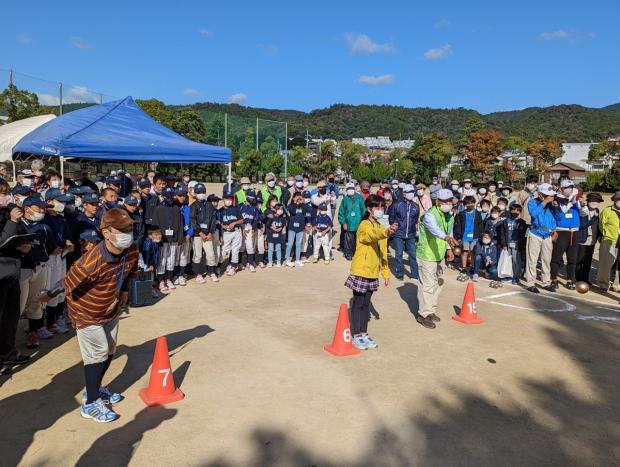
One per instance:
(485, 55)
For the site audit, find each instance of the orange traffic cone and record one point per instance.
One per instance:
(161, 388)
(468, 314)
(341, 345)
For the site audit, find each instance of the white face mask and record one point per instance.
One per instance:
(506, 193)
(395, 186)
(323, 213)
(401, 185)
(485, 209)
(37, 216)
(409, 196)
(279, 212)
(494, 215)
(19, 199)
(455, 187)
(228, 202)
(501, 206)
(350, 191)
(245, 187)
(122, 240)
(201, 196)
(27, 182)
(387, 197)
(304, 183)
(531, 186)
(617, 203)
(271, 183)
(468, 185)
(299, 184)
(58, 206)
(78, 202)
(486, 241)
(55, 184)
(377, 214)
(445, 207)
(482, 191)
(593, 206)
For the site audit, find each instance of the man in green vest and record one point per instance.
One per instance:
(268, 190)
(435, 241)
(240, 194)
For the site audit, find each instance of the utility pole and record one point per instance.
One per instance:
(60, 98)
(285, 149)
(257, 134)
(307, 139)
(11, 77)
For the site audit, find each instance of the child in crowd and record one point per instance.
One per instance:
(251, 217)
(502, 205)
(275, 225)
(467, 229)
(485, 209)
(511, 237)
(369, 260)
(485, 257)
(149, 255)
(297, 211)
(89, 239)
(493, 222)
(185, 247)
(167, 216)
(206, 240)
(322, 228)
(307, 243)
(232, 237)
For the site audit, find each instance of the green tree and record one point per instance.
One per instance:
(250, 165)
(362, 172)
(189, 124)
(612, 177)
(274, 163)
(604, 151)
(158, 111)
(248, 144)
(19, 104)
(350, 156)
(430, 155)
(406, 168)
(380, 171)
(269, 147)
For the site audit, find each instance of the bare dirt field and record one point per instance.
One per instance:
(536, 384)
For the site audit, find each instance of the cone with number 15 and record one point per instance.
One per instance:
(468, 314)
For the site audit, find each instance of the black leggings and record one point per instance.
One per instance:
(567, 242)
(360, 312)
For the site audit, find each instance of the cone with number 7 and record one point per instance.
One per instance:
(342, 344)
(468, 314)
(161, 389)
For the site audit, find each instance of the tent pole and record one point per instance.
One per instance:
(62, 168)
(285, 149)
(226, 145)
(14, 172)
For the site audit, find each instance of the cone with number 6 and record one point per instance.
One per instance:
(468, 314)
(342, 344)
(161, 388)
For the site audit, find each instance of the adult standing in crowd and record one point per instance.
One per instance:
(434, 244)
(350, 213)
(567, 240)
(609, 226)
(405, 214)
(268, 190)
(96, 289)
(588, 236)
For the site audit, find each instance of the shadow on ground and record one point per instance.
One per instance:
(35, 410)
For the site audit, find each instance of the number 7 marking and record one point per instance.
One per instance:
(166, 373)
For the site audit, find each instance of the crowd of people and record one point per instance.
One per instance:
(57, 235)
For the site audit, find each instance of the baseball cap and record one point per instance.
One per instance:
(168, 192)
(55, 193)
(269, 177)
(199, 188)
(454, 182)
(408, 188)
(131, 200)
(545, 189)
(90, 198)
(306, 194)
(118, 219)
(181, 190)
(192, 184)
(444, 195)
(299, 178)
(20, 190)
(349, 186)
(114, 180)
(90, 236)
(34, 201)
(323, 206)
(144, 182)
(212, 198)
(567, 184)
(467, 180)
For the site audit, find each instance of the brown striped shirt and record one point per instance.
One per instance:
(92, 284)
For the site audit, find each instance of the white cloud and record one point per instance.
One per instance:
(48, 99)
(79, 43)
(238, 98)
(71, 95)
(438, 53)
(191, 92)
(553, 35)
(442, 24)
(24, 39)
(269, 50)
(381, 80)
(205, 32)
(361, 44)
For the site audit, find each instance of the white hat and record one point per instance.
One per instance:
(546, 189)
(567, 184)
(444, 195)
(408, 189)
(394, 181)
(192, 184)
(349, 185)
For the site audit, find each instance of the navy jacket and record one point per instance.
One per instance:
(459, 225)
(202, 217)
(406, 214)
(298, 217)
(251, 215)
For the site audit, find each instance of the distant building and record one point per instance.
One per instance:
(575, 172)
(383, 143)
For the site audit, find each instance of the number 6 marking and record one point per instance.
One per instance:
(346, 334)
(166, 373)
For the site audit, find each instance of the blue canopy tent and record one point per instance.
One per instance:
(115, 131)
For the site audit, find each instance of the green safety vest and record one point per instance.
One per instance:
(240, 195)
(431, 248)
(265, 195)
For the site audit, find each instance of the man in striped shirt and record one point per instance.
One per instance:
(96, 288)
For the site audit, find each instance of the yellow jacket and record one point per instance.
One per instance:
(609, 223)
(371, 251)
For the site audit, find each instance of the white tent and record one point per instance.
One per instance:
(11, 133)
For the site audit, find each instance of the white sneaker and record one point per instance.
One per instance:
(252, 268)
(59, 328)
(44, 333)
(199, 279)
(231, 272)
(176, 281)
(299, 264)
(278, 264)
(290, 264)
(170, 285)
(305, 260)
(269, 265)
(214, 277)
(181, 281)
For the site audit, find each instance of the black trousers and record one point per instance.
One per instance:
(360, 312)
(584, 262)
(349, 243)
(567, 242)
(9, 315)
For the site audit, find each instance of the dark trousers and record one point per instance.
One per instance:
(400, 245)
(584, 262)
(567, 242)
(349, 243)
(9, 315)
(360, 312)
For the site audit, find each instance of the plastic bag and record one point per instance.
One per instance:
(504, 265)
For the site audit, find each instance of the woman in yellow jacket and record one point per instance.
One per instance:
(369, 260)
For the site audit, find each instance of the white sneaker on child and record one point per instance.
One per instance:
(252, 268)
(214, 277)
(181, 281)
(231, 271)
(290, 264)
(170, 285)
(269, 265)
(299, 264)
(199, 279)
(278, 264)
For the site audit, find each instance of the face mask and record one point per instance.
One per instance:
(37, 216)
(395, 186)
(455, 187)
(307, 200)
(331, 180)
(186, 179)
(59, 207)
(485, 209)
(78, 202)
(494, 215)
(420, 192)
(271, 183)
(228, 202)
(19, 200)
(112, 204)
(304, 183)
(55, 184)
(323, 213)
(27, 182)
(245, 187)
(299, 184)
(499, 185)
(401, 185)
(593, 206)
(482, 191)
(486, 241)
(514, 215)
(290, 182)
(122, 240)
(387, 197)
(350, 191)
(531, 186)
(279, 212)
(377, 214)
(409, 196)
(445, 207)
(156, 241)
(501, 206)
(201, 196)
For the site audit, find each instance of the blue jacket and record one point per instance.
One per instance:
(187, 224)
(150, 252)
(544, 219)
(487, 251)
(568, 220)
(251, 215)
(406, 215)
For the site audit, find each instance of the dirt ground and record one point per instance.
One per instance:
(536, 384)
